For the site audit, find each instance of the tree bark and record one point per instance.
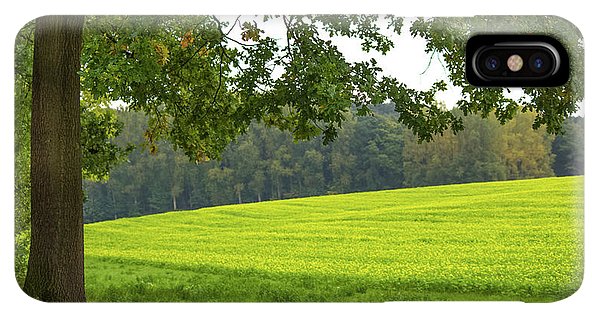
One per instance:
(174, 201)
(56, 261)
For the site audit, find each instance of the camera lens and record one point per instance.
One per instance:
(492, 63)
(540, 63)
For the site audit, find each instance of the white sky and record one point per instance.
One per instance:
(407, 61)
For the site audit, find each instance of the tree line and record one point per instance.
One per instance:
(371, 153)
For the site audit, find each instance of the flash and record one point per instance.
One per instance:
(515, 63)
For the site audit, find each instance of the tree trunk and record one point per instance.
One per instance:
(174, 201)
(112, 195)
(190, 197)
(56, 262)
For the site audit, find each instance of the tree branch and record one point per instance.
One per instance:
(288, 29)
(219, 77)
(233, 25)
(240, 43)
(188, 59)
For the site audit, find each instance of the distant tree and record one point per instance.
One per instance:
(478, 151)
(98, 205)
(220, 186)
(377, 143)
(257, 183)
(280, 170)
(430, 163)
(244, 158)
(484, 151)
(528, 152)
(313, 179)
(238, 188)
(568, 148)
(342, 161)
(198, 191)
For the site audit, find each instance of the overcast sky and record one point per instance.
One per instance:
(407, 61)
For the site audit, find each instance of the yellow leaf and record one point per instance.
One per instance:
(153, 149)
(163, 53)
(187, 39)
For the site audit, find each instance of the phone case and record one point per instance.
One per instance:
(291, 159)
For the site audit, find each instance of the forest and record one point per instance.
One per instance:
(370, 153)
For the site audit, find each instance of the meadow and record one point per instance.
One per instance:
(509, 240)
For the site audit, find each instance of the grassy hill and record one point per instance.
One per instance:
(512, 240)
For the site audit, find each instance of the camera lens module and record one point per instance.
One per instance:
(516, 61)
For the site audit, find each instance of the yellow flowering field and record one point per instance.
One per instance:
(509, 240)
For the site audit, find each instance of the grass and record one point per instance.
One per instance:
(513, 240)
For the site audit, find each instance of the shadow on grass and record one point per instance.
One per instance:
(121, 280)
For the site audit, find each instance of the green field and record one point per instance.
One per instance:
(513, 240)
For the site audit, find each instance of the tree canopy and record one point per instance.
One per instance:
(201, 87)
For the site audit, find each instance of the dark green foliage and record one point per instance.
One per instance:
(150, 63)
(263, 164)
(378, 146)
(99, 155)
(373, 153)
